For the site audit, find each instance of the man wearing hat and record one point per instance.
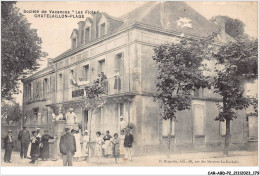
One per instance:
(8, 147)
(24, 138)
(67, 147)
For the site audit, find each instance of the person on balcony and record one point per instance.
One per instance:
(117, 85)
(71, 119)
(103, 82)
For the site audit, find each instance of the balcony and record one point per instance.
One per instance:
(112, 86)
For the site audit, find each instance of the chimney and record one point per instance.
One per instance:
(81, 33)
(49, 61)
(220, 22)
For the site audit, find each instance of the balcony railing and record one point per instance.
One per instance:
(114, 85)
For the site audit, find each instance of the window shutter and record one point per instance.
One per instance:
(40, 88)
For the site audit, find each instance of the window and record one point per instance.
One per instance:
(74, 43)
(102, 29)
(121, 110)
(87, 35)
(86, 72)
(199, 129)
(253, 129)
(60, 82)
(101, 67)
(118, 63)
(198, 93)
(35, 113)
(166, 127)
(45, 84)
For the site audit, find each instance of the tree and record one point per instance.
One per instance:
(93, 99)
(21, 48)
(180, 72)
(11, 111)
(233, 27)
(237, 63)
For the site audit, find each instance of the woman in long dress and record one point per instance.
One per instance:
(45, 147)
(78, 153)
(116, 147)
(98, 146)
(108, 144)
(35, 150)
(85, 146)
(122, 138)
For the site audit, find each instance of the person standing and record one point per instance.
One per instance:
(45, 145)
(71, 119)
(24, 138)
(116, 147)
(35, 150)
(78, 153)
(8, 141)
(98, 146)
(85, 146)
(107, 146)
(67, 147)
(128, 142)
(122, 139)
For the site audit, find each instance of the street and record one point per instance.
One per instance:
(235, 158)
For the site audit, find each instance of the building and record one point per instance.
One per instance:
(104, 44)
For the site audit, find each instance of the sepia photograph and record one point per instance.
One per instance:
(139, 83)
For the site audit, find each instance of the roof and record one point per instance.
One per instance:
(40, 72)
(173, 15)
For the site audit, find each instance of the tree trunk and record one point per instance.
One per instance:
(169, 139)
(227, 137)
(90, 121)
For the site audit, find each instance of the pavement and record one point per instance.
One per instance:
(235, 158)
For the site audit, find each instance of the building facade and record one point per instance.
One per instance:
(122, 48)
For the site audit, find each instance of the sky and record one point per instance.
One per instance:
(55, 32)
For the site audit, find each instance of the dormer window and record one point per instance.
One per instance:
(74, 43)
(102, 29)
(74, 38)
(87, 34)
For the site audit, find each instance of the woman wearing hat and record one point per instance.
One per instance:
(85, 146)
(45, 145)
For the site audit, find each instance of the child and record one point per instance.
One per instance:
(116, 147)
(35, 150)
(98, 146)
(8, 147)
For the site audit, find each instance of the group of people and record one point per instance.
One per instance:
(34, 147)
(37, 146)
(106, 145)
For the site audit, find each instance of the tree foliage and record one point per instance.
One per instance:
(240, 66)
(233, 27)
(94, 94)
(11, 112)
(21, 48)
(180, 71)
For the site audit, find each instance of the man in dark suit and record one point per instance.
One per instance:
(128, 142)
(24, 138)
(67, 147)
(8, 147)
